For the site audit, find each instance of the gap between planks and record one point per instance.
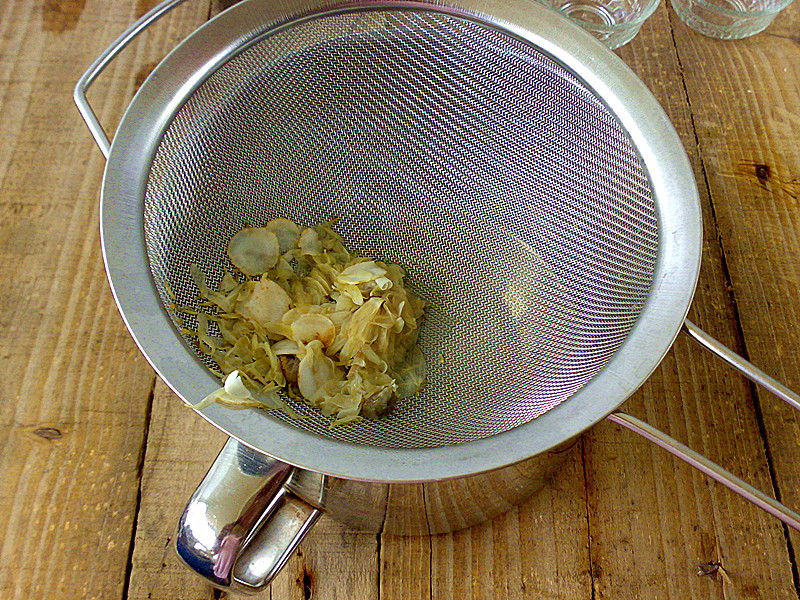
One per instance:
(741, 342)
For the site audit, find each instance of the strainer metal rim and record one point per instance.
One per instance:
(676, 272)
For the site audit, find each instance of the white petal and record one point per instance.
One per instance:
(235, 388)
(313, 327)
(309, 242)
(266, 303)
(315, 371)
(286, 232)
(254, 250)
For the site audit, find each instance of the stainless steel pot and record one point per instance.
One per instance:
(478, 442)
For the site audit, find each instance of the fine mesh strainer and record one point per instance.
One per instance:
(449, 148)
(529, 184)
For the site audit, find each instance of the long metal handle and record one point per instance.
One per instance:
(749, 370)
(700, 462)
(241, 524)
(102, 62)
(713, 470)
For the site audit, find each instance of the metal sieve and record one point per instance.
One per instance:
(512, 196)
(530, 185)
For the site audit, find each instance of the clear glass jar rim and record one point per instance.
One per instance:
(649, 9)
(730, 12)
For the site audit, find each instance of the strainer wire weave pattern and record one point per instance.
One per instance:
(505, 187)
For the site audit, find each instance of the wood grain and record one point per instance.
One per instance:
(180, 448)
(537, 550)
(74, 405)
(98, 460)
(751, 160)
(74, 402)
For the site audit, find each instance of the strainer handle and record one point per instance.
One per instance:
(712, 469)
(700, 462)
(102, 62)
(748, 369)
(241, 525)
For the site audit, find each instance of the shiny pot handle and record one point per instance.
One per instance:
(700, 462)
(102, 62)
(241, 525)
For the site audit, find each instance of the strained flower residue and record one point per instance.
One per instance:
(301, 314)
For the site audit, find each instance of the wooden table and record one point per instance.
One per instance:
(98, 457)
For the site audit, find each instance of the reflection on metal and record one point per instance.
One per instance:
(241, 509)
(273, 544)
(251, 511)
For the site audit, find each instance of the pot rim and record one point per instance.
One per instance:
(674, 280)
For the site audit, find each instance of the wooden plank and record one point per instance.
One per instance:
(539, 550)
(654, 520)
(74, 412)
(405, 567)
(180, 449)
(554, 536)
(747, 120)
(333, 563)
(74, 403)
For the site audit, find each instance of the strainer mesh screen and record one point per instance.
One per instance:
(510, 194)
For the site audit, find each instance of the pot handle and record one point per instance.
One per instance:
(700, 462)
(102, 62)
(241, 525)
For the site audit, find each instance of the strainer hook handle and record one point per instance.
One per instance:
(748, 369)
(102, 61)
